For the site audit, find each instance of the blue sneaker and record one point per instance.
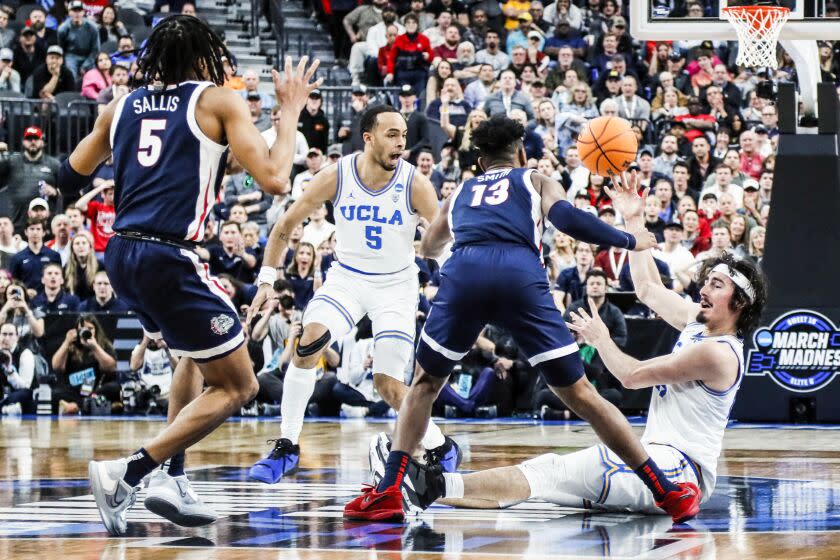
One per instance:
(447, 456)
(282, 460)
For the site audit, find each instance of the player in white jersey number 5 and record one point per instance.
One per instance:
(378, 199)
(694, 388)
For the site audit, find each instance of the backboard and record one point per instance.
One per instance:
(658, 22)
(808, 23)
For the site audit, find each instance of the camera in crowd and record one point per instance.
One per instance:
(17, 294)
(85, 333)
(96, 405)
(140, 398)
(152, 345)
(5, 360)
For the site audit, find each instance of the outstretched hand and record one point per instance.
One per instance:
(294, 86)
(589, 325)
(625, 195)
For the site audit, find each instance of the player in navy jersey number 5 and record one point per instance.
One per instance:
(495, 275)
(169, 140)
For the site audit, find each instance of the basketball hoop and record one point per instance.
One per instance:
(758, 29)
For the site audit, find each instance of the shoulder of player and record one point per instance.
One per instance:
(718, 357)
(221, 100)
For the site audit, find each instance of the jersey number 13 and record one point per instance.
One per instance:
(493, 195)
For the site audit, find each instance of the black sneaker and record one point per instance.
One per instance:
(422, 485)
(447, 456)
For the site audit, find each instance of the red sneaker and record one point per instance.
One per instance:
(682, 505)
(376, 506)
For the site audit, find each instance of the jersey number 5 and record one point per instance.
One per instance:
(148, 152)
(493, 195)
(373, 234)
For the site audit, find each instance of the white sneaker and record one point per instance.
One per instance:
(114, 497)
(12, 409)
(172, 497)
(348, 411)
(377, 455)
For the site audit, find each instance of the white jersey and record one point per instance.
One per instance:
(374, 230)
(690, 416)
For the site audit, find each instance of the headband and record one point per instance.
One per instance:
(738, 279)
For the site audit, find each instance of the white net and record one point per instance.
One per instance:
(758, 30)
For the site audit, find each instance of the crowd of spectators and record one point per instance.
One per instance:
(707, 140)
(706, 151)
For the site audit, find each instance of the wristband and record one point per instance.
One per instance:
(267, 275)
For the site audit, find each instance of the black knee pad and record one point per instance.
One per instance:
(306, 350)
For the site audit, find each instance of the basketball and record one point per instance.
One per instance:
(607, 145)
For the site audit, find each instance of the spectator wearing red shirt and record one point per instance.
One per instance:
(412, 55)
(385, 57)
(448, 50)
(697, 122)
(751, 162)
(611, 261)
(101, 214)
(694, 241)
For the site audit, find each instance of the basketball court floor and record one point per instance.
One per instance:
(778, 497)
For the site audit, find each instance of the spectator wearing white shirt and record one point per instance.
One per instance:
(723, 184)
(270, 135)
(674, 254)
(314, 162)
(375, 39)
(578, 173)
(318, 229)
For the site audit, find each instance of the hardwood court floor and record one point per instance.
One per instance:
(778, 496)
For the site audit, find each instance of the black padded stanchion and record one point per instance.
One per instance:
(795, 355)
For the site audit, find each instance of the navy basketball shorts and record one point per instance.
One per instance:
(504, 285)
(174, 297)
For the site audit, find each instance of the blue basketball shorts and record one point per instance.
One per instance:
(504, 285)
(174, 297)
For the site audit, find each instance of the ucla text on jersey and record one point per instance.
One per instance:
(374, 229)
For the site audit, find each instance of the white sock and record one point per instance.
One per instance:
(297, 389)
(433, 436)
(454, 485)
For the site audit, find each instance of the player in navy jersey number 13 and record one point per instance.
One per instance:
(495, 275)
(169, 140)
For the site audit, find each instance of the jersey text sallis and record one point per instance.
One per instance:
(154, 103)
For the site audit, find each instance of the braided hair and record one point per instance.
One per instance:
(182, 48)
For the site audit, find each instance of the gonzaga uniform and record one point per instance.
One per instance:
(684, 434)
(375, 271)
(167, 174)
(495, 275)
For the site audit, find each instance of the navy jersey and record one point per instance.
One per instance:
(167, 171)
(501, 206)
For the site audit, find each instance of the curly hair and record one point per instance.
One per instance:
(183, 48)
(750, 311)
(498, 138)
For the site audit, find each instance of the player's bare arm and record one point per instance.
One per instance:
(221, 112)
(669, 305)
(320, 189)
(582, 225)
(711, 362)
(424, 201)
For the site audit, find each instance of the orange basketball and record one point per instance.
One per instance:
(607, 144)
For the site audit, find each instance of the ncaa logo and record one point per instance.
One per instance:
(221, 324)
(800, 351)
(398, 188)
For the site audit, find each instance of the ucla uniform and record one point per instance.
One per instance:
(375, 272)
(495, 275)
(167, 174)
(683, 435)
